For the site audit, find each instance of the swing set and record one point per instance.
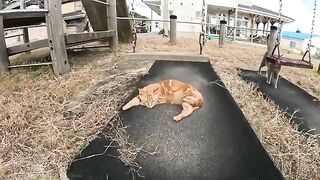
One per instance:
(285, 61)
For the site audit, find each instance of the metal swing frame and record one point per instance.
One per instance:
(168, 56)
(284, 61)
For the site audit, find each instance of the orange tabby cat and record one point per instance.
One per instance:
(169, 91)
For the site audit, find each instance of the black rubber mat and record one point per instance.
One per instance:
(215, 142)
(302, 107)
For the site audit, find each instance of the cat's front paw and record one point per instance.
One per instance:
(125, 107)
(177, 118)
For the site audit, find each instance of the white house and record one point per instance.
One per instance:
(247, 14)
(299, 42)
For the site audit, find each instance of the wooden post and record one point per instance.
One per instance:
(4, 58)
(173, 29)
(222, 35)
(112, 23)
(56, 36)
(1, 4)
(25, 30)
(229, 17)
(253, 19)
(235, 23)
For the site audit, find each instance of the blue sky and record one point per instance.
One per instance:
(300, 10)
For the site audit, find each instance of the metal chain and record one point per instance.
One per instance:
(280, 22)
(311, 34)
(277, 45)
(312, 25)
(202, 38)
(134, 32)
(203, 14)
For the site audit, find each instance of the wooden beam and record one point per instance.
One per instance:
(68, 1)
(168, 57)
(112, 23)
(4, 58)
(14, 35)
(22, 27)
(97, 14)
(88, 37)
(27, 47)
(56, 39)
(14, 5)
(23, 13)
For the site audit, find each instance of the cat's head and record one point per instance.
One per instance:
(148, 97)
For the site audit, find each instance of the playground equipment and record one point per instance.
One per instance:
(284, 61)
(215, 142)
(172, 21)
(102, 19)
(298, 105)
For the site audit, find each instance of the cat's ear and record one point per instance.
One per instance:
(140, 91)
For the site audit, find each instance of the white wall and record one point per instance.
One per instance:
(185, 11)
(301, 45)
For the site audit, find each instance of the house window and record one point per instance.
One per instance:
(293, 44)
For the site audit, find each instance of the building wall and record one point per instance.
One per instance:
(190, 11)
(300, 45)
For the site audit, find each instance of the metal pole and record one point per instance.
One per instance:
(165, 16)
(112, 23)
(235, 24)
(222, 35)
(173, 29)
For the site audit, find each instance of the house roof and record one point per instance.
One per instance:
(265, 11)
(298, 36)
(154, 5)
(254, 9)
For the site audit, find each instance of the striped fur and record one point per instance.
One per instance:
(169, 91)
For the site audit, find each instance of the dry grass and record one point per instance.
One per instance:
(45, 120)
